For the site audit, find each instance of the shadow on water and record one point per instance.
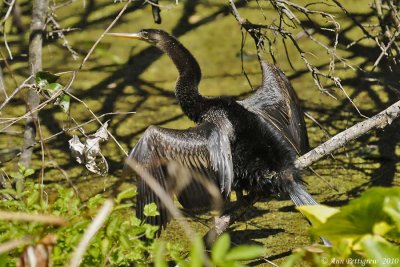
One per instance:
(249, 236)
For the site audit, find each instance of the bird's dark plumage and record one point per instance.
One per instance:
(249, 144)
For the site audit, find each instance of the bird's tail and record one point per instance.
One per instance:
(301, 197)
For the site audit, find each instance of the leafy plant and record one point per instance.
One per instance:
(118, 243)
(364, 232)
(18, 180)
(222, 255)
(47, 83)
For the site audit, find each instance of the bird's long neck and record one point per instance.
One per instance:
(191, 102)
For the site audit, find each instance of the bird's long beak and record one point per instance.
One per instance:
(136, 35)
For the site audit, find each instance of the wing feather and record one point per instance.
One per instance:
(203, 150)
(276, 102)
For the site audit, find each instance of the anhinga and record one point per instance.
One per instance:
(249, 144)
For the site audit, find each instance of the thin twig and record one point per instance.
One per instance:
(41, 180)
(385, 49)
(62, 36)
(13, 244)
(28, 217)
(3, 21)
(93, 228)
(104, 33)
(16, 91)
(10, 7)
(97, 119)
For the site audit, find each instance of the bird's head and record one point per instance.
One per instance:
(152, 36)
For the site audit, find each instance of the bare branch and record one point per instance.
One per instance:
(38, 25)
(104, 33)
(380, 120)
(16, 91)
(13, 244)
(28, 217)
(2, 87)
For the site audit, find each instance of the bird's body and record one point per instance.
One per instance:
(249, 144)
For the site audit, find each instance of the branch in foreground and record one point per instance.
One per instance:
(13, 244)
(380, 120)
(29, 217)
(96, 224)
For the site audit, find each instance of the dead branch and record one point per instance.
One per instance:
(16, 91)
(380, 120)
(28, 217)
(57, 30)
(2, 87)
(104, 33)
(10, 8)
(13, 244)
(283, 8)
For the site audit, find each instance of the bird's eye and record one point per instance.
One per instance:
(145, 34)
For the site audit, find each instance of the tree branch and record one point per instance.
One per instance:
(380, 120)
(90, 232)
(35, 60)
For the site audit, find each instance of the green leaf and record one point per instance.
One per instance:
(94, 251)
(317, 214)
(8, 191)
(64, 101)
(21, 168)
(220, 248)
(3, 260)
(232, 264)
(245, 252)
(113, 227)
(124, 241)
(123, 206)
(150, 210)
(380, 253)
(359, 217)
(159, 255)
(391, 207)
(151, 231)
(126, 194)
(197, 252)
(28, 172)
(19, 186)
(16, 175)
(105, 246)
(95, 202)
(46, 76)
(53, 87)
(381, 228)
(33, 198)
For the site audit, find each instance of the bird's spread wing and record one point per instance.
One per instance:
(203, 150)
(276, 102)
